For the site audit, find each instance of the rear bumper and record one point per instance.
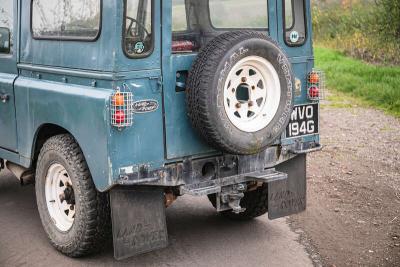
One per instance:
(198, 171)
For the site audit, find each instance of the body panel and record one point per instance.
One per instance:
(82, 111)
(8, 73)
(8, 126)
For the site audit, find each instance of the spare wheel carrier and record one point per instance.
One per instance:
(240, 92)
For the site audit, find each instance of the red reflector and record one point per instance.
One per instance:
(183, 46)
(313, 92)
(119, 116)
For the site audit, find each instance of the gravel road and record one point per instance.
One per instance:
(353, 213)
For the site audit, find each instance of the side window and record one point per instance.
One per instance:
(66, 19)
(138, 37)
(6, 26)
(295, 23)
(239, 14)
(179, 17)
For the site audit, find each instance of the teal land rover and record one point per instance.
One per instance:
(114, 109)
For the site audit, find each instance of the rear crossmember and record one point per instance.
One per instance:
(230, 190)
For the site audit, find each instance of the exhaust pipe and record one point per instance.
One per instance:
(24, 175)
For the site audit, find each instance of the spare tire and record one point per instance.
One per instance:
(240, 92)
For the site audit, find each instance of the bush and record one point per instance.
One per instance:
(369, 30)
(388, 18)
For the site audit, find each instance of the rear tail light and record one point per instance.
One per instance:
(121, 108)
(316, 85)
(313, 92)
(118, 99)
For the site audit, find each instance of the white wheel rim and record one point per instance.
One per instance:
(253, 111)
(60, 197)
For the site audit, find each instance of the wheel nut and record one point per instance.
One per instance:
(244, 79)
(233, 90)
(251, 103)
(253, 87)
(238, 105)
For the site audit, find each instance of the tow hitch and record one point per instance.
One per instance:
(232, 198)
(286, 188)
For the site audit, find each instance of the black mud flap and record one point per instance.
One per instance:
(288, 196)
(138, 221)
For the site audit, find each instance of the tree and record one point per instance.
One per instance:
(388, 18)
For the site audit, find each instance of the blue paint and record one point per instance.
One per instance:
(69, 84)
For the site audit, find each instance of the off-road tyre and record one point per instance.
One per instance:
(255, 202)
(92, 224)
(205, 105)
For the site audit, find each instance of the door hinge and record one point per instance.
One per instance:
(159, 80)
(4, 98)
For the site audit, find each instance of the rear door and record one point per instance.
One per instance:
(181, 139)
(8, 74)
(194, 23)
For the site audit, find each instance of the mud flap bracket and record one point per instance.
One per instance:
(138, 220)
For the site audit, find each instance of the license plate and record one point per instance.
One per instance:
(303, 121)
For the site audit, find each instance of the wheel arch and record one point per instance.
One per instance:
(48, 130)
(43, 133)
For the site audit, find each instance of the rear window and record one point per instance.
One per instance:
(179, 17)
(138, 28)
(295, 23)
(66, 19)
(6, 25)
(239, 14)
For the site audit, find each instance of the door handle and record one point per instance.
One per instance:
(4, 98)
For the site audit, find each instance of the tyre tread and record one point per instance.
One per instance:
(200, 75)
(95, 227)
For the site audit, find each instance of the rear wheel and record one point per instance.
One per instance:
(75, 216)
(255, 202)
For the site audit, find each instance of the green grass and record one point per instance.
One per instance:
(378, 86)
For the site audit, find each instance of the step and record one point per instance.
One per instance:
(266, 176)
(214, 186)
(194, 190)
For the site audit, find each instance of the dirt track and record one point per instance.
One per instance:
(353, 215)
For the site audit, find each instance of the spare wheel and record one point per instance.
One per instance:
(240, 92)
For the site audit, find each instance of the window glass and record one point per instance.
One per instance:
(289, 14)
(179, 19)
(66, 19)
(138, 39)
(295, 33)
(239, 14)
(6, 25)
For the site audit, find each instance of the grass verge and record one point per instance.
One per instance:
(377, 86)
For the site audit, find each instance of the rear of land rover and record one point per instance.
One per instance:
(163, 99)
(240, 98)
